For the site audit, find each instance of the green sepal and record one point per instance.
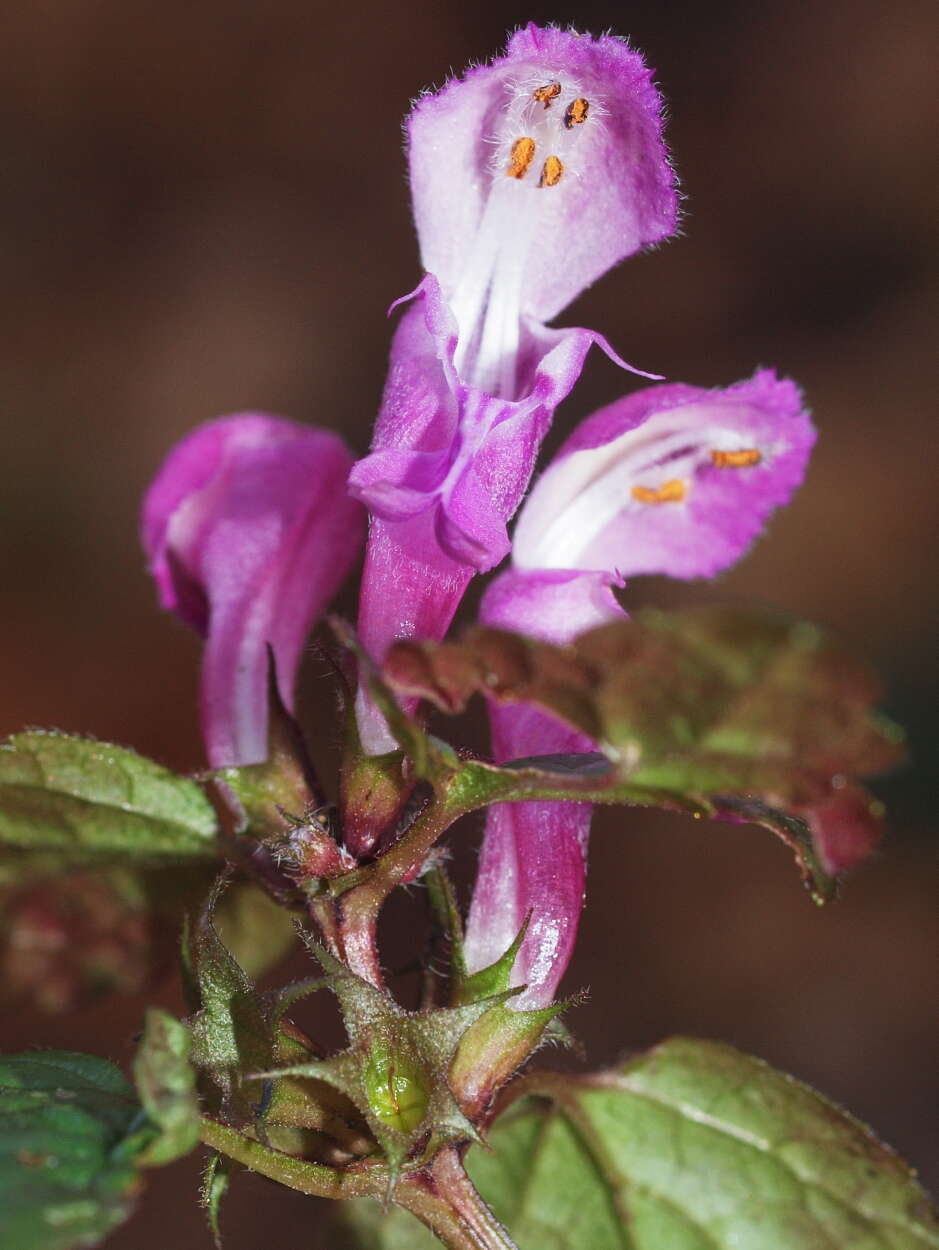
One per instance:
(395, 1068)
(230, 1031)
(166, 1083)
(216, 1178)
(446, 910)
(280, 803)
(373, 792)
(491, 980)
(239, 1032)
(429, 758)
(493, 1049)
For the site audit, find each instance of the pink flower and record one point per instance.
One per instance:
(673, 479)
(530, 176)
(249, 531)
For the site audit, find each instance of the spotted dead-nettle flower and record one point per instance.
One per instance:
(530, 177)
(673, 479)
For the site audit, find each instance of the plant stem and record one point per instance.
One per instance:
(315, 1179)
(451, 1208)
(359, 907)
(442, 1197)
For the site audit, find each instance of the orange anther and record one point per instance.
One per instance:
(523, 152)
(576, 112)
(736, 459)
(544, 95)
(669, 492)
(551, 172)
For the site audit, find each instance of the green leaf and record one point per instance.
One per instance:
(166, 1083)
(736, 712)
(92, 801)
(238, 1032)
(69, 1142)
(692, 1146)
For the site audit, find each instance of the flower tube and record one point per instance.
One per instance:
(530, 177)
(673, 479)
(249, 531)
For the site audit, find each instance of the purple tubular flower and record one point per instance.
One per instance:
(530, 177)
(673, 479)
(534, 855)
(249, 531)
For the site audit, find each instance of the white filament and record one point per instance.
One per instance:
(487, 301)
(578, 497)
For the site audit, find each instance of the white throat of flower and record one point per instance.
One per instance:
(536, 145)
(578, 497)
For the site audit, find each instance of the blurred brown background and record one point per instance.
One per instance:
(204, 210)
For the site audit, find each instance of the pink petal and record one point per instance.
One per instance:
(249, 532)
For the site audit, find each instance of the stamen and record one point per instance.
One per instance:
(736, 459)
(551, 172)
(576, 112)
(544, 95)
(523, 152)
(669, 492)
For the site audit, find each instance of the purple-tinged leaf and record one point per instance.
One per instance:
(740, 711)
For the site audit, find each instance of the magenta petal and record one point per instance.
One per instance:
(411, 588)
(534, 855)
(440, 443)
(533, 860)
(399, 484)
(249, 531)
(615, 192)
(448, 467)
(552, 604)
(672, 479)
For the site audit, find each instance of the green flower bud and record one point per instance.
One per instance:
(397, 1088)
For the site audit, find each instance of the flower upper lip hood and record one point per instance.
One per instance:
(249, 532)
(475, 374)
(614, 194)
